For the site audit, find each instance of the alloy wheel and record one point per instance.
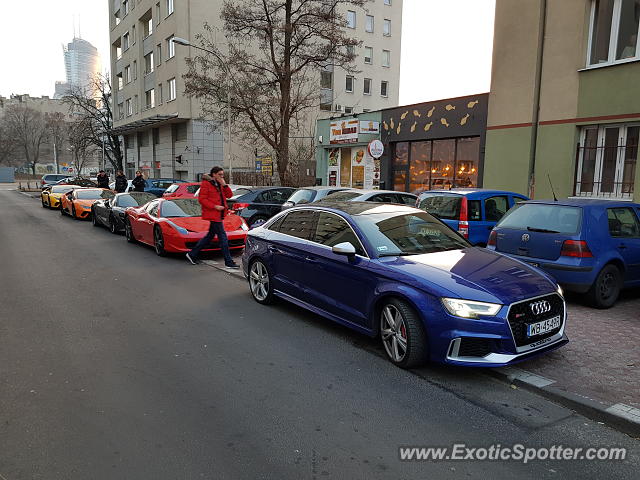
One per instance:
(394, 333)
(158, 241)
(128, 231)
(259, 281)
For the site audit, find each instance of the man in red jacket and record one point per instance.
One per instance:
(213, 195)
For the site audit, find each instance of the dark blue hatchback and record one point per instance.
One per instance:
(473, 212)
(400, 273)
(589, 246)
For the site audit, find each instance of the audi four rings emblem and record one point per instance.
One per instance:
(525, 237)
(538, 308)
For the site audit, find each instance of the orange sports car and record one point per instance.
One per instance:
(77, 203)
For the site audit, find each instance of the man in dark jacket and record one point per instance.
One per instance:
(121, 182)
(213, 195)
(103, 179)
(138, 182)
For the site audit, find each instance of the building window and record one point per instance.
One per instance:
(171, 47)
(158, 13)
(136, 105)
(135, 70)
(386, 27)
(181, 132)
(326, 79)
(351, 19)
(148, 27)
(127, 74)
(120, 111)
(172, 89)
(348, 87)
(125, 6)
(116, 17)
(133, 35)
(367, 86)
(169, 7)
(368, 27)
(129, 107)
(351, 51)
(119, 80)
(387, 2)
(148, 63)
(384, 88)
(159, 54)
(159, 96)
(150, 98)
(125, 41)
(368, 55)
(613, 35)
(348, 110)
(386, 58)
(607, 161)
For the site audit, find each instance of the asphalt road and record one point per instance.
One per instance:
(118, 364)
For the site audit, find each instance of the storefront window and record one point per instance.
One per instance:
(437, 164)
(420, 168)
(400, 165)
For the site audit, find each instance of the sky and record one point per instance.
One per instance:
(446, 45)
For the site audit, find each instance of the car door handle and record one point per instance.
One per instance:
(310, 260)
(274, 249)
(622, 246)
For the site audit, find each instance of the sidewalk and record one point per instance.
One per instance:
(8, 186)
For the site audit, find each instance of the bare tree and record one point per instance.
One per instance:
(81, 142)
(268, 71)
(7, 143)
(29, 130)
(94, 103)
(57, 131)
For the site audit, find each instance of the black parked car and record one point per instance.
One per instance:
(110, 212)
(260, 204)
(310, 194)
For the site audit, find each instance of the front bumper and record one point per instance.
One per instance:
(501, 340)
(184, 243)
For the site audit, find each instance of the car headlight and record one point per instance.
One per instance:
(180, 229)
(244, 227)
(470, 308)
(560, 291)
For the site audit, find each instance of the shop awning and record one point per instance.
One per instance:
(142, 124)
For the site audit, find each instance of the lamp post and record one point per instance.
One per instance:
(187, 43)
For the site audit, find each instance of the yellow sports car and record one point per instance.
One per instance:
(50, 196)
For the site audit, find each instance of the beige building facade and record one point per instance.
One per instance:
(564, 108)
(161, 127)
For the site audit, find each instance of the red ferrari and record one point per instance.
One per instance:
(175, 225)
(182, 190)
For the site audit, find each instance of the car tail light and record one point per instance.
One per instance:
(492, 239)
(575, 248)
(239, 206)
(463, 223)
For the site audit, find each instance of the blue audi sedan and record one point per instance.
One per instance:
(399, 273)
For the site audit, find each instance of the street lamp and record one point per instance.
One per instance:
(186, 43)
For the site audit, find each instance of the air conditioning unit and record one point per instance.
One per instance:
(339, 108)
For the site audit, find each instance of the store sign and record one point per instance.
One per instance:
(344, 131)
(264, 165)
(375, 148)
(370, 127)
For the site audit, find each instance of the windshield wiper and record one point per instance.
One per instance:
(541, 230)
(399, 254)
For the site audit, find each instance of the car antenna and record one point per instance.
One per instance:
(555, 199)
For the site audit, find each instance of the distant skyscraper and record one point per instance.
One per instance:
(81, 62)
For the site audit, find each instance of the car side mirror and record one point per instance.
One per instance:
(344, 248)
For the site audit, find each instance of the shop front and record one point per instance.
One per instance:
(434, 145)
(349, 150)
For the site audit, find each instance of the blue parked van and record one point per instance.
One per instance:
(473, 212)
(588, 246)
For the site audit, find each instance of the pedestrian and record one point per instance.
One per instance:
(138, 182)
(213, 195)
(103, 179)
(121, 182)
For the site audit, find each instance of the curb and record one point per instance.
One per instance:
(619, 416)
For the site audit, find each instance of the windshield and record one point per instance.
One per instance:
(240, 191)
(187, 207)
(342, 196)
(302, 196)
(93, 194)
(61, 188)
(444, 206)
(135, 199)
(543, 218)
(172, 188)
(407, 234)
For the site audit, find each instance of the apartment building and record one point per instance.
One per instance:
(564, 107)
(160, 126)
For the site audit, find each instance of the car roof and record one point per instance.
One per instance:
(359, 208)
(323, 187)
(471, 191)
(364, 192)
(260, 189)
(583, 202)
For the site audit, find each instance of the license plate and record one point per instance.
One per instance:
(539, 328)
